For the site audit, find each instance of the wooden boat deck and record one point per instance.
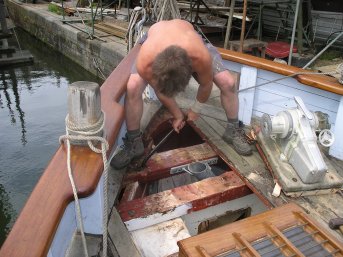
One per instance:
(36, 237)
(253, 171)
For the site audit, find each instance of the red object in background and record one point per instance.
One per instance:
(279, 49)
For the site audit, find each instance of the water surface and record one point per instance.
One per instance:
(33, 106)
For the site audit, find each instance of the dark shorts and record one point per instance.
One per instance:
(217, 61)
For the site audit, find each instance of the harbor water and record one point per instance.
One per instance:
(33, 105)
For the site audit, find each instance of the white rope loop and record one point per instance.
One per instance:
(88, 134)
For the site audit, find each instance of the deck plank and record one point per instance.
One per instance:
(252, 170)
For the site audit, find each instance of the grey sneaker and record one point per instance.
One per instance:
(235, 136)
(131, 149)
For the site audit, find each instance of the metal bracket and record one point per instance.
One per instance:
(179, 169)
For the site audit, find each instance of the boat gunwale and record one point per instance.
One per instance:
(323, 82)
(34, 230)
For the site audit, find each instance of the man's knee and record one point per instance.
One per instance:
(227, 82)
(135, 87)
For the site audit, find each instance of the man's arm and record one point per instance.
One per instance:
(171, 105)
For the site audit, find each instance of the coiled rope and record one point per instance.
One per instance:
(166, 10)
(131, 29)
(88, 134)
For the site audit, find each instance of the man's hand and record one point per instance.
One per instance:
(192, 116)
(178, 124)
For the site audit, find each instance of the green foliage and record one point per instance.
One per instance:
(55, 9)
(330, 55)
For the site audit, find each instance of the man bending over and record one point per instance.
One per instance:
(171, 54)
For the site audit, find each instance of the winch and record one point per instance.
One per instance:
(294, 133)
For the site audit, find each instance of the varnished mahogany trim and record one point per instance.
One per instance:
(34, 230)
(318, 81)
(222, 240)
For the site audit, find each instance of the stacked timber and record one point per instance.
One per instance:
(9, 55)
(114, 29)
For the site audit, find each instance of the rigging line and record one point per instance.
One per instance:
(97, 66)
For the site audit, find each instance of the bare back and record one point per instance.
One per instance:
(166, 33)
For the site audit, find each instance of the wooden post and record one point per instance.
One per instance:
(84, 104)
(336, 150)
(300, 28)
(293, 32)
(229, 23)
(243, 26)
(4, 29)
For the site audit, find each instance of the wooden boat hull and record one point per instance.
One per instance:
(41, 234)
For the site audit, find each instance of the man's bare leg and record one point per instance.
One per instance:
(227, 84)
(134, 102)
(133, 144)
(228, 93)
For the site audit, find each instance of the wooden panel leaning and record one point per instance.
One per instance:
(286, 230)
(34, 230)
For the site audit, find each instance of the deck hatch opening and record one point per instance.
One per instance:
(227, 218)
(186, 137)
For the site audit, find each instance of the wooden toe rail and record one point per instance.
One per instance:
(34, 230)
(319, 81)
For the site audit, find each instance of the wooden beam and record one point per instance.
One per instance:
(229, 24)
(243, 25)
(197, 196)
(159, 165)
(112, 29)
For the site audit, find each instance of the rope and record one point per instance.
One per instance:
(97, 66)
(166, 10)
(130, 33)
(88, 134)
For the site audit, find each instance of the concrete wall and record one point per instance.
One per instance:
(71, 42)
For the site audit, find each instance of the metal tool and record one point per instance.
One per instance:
(336, 223)
(156, 147)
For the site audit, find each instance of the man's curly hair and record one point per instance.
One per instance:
(172, 70)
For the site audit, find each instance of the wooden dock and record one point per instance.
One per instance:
(16, 58)
(9, 55)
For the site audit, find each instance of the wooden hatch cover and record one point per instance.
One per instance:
(283, 231)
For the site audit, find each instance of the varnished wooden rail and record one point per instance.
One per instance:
(318, 81)
(36, 225)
